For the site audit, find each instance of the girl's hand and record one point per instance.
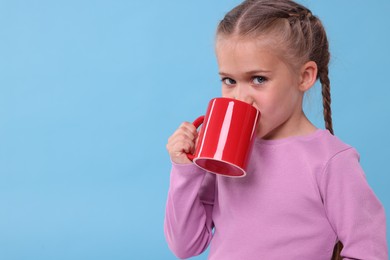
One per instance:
(181, 142)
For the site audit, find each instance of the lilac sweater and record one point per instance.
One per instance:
(300, 196)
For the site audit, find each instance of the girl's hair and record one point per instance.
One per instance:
(295, 31)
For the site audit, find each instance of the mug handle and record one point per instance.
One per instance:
(196, 123)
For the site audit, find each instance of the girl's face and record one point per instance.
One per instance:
(253, 73)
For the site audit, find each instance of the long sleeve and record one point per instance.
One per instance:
(188, 222)
(353, 210)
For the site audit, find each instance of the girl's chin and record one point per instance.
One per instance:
(261, 134)
(267, 135)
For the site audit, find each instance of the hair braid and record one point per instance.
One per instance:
(337, 251)
(326, 99)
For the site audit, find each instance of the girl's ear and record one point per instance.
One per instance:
(308, 75)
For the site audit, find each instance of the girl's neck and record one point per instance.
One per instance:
(300, 126)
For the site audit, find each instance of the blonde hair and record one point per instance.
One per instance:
(299, 35)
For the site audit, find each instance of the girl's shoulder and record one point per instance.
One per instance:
(323, 147)
(332, 144)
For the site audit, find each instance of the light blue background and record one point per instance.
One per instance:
(91, 90)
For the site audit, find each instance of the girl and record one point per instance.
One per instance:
(305, 190)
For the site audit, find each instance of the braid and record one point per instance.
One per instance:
(337, 251)
(320, 54)
(326, 99)
(318, 43)
(315, 40)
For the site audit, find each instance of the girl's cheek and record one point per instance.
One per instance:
(227, 94)
(256, 106)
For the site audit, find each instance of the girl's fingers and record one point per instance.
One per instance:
(188, 129)
(181, 142)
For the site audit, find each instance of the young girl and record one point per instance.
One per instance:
(305, 191)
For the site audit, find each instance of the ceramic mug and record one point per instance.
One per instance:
(226, 137)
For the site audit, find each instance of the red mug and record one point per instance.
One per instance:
(226, 137)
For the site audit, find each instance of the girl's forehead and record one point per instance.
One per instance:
(245, 55)
(241, 42)
(268, 43)
(249, 52)
(245, 46)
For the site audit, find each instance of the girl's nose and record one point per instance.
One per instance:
(242, 93)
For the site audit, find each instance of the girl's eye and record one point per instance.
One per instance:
(257, 80)
(228, 81)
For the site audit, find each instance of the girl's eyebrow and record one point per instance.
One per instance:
(257, 72)
(252, 72)
(223, 73)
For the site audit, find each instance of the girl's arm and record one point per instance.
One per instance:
(354, 211)
(188, 221)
